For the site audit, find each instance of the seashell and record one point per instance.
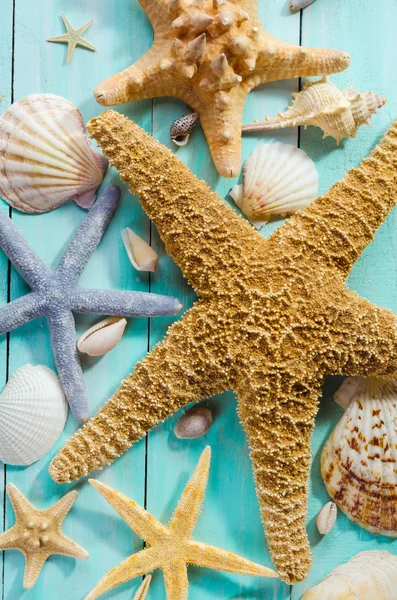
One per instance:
(339, 113)
(326, 518)
(182, 128)
(33, 412)
(143, 589)
(102, 337)
(45, 156)
(370, 575)
(141, 255)
(278, 179)
(359, 460)
(296, 5)
(194, 423)
(347, 391)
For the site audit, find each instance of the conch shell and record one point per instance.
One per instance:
(339, 113)
(370, 575)
(102, 337)
(45, 156)
(359, 460)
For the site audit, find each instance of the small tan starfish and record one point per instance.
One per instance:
(73, 38)
(37, 533)
(143, 589)
(171, 548)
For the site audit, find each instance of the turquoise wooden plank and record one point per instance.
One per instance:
(235, 524)
(6, 17)
(92, 522)
(367, 33)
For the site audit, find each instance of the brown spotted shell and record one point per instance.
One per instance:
(359, 460)
(182, 128)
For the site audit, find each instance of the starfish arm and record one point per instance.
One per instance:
(20, 504)
(295, 61)
(21, 311)
(121, 303)
(346, 218)
(71, 48)
(189, 506)
(67, 24)
(24, 259)
(81, 30)
(85, 44)
(9, 540)
(64, 349)
(60, 39)
(180, 369)
(277, 412)
(136, 565)
(88, 236)
(142, 522)
(67, 547)
(34, 564)
(181, 206)
(176, 581)
(203, 555)
(58, 511)
(157, 11)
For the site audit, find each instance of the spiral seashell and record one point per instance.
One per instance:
(102, 337)
(359, 460)
(142, 256)
(45, 156)
(370, 575)
(182, 128)
(33, 412)
(278, 179)
(194, 423)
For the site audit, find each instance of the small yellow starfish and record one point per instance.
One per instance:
(73, 38)
(143, 589)
(171, 548)
(37, 533)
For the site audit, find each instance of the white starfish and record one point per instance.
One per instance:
(73, 38)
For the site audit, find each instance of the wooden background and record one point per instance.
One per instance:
(155, 471)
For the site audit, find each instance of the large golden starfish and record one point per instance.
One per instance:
(274, 317)
(37, 533)
(211, 54)
(171, 548)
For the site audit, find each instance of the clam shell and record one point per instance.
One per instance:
(33, 412)
(359, 460)
(141, 255)
(194, 423)
(278, 179)
(45, 156)
(370, 575)
(102, 337)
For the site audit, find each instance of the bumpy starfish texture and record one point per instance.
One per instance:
(211, 54)
(143, 589)
(56, 294)
(171, 548)
(37, 533)
(274, 317)
(73, 38)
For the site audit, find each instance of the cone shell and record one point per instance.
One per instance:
(33, 413)
(278, 179)
(102, 337)
(359, 460)
(45, 157)
(370, 575)
(141, 255)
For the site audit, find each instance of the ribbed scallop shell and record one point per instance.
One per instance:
(33, 413)
(359, 460)
(278, 179)
(370, 575)
(45, 156)
(102, 337)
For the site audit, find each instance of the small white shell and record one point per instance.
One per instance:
(33, 412)
(347, 391)
(370, 575)
(102, 337)
(278, 179)
(193, 424)
(141, 255)
(326, 518)
(45, 156)
(143, 589)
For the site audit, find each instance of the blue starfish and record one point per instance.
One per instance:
(56, 294)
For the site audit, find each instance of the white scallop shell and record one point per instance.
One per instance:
(33, 413)
(370, 575)
(142, 256)
(102, 337)
(278, 179)
(359, 460)
(45, 156)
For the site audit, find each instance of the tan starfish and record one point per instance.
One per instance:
(171, 548)
(73, 38)
(211, 54)
(143, 589)
(37, 533)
